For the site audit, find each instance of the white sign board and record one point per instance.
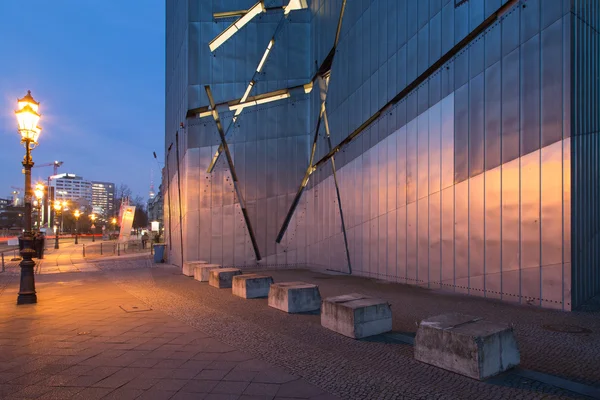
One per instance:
(126, 223)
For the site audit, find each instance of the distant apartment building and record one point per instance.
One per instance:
(103, 198)
(71, 187)
(5, 203)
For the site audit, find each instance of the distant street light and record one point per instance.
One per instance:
(58, 208)
(77, 214)
(27, 119)
(39, 194)
(114, 224)
(93, 218)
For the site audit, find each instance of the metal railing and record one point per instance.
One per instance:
(10, 259)
(104, 249)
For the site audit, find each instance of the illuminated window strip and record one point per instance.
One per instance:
(257, 9)
(294, 5)
(247, 92)
(257, 102)
(247, 16)
(265, 55)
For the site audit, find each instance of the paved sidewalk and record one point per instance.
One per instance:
(87, 338)
(123, 327)
(378, 367)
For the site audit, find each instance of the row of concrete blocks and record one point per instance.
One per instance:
(460, 343)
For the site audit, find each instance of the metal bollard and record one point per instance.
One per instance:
(3, 262)
(100, 248)
(118, 249)
(83, 250)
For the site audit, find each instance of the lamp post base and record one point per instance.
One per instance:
(27, 288)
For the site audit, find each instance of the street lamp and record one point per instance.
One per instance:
(93, 218)
(39, 194)
(64, 205)
(27, 119)
(114, 224)
(77, 214)
(57, 208)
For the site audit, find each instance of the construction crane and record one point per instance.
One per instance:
(54, 164)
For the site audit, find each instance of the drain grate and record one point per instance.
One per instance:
(131, 308)
(565, 328)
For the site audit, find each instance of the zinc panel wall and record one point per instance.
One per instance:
(585, 64)
(269, 144)
(476, 146)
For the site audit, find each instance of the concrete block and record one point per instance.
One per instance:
(295, 297)
(467, 345)
(251, 286)
(188, 267)
(356, 315)
(222, 278)
(202, 271)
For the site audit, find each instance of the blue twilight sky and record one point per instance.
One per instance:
(97, 67)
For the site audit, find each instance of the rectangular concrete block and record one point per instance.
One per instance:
(251, 286)
(467, 345)
(295, 297)
(188, 267)
(222, 278)
(356, 315)
(202, 271)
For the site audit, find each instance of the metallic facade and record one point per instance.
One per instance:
(454, 131)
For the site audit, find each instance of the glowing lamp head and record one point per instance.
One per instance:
(114, 220)
(28, 100)
(93, 217)
(39, 191)
(57, 206)
(28, 118)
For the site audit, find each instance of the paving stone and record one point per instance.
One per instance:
(240, 375)
(184, 373)
(199, 386)
(93, 393)
(230, 387)
(212, 374)
(33, 391)
(156, 395)
(188, 396)
(298, 389)
(140, 383)
(274, 375)
(262, 389)
(61, 393)
(221, 396)
(170, 384)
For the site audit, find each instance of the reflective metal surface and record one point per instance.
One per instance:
(464, 184)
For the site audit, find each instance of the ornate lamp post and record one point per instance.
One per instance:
(39, 194)
(93, 218)
(114, 224)
(27, 119)
(76, 214)
(57, 208)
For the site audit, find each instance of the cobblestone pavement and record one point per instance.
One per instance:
(87, 338)
(369, 369)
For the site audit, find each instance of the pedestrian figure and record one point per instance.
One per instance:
(144, 240)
